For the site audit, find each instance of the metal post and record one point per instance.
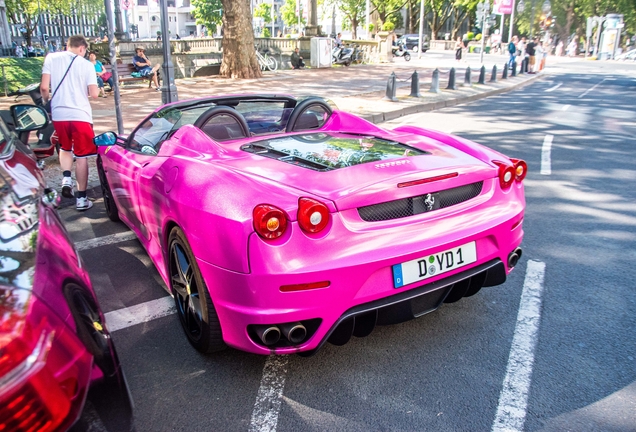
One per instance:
(493, 76)
(271, 12)
(435, 82)
(512, 18)
(451, 80)
(467, 77)
(367, 18)
(514, 69)
(504, 75)
(415, 85)
(391, 88)
(168, 89)
(421, 40)
(113, 62)
(482, 75)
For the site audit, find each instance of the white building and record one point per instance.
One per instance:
(146, 16)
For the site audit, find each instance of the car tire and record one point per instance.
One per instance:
(407, 56)
(196, 311)
(109, 202)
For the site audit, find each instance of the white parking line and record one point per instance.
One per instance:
(551, 89)
(106, 240)
(589, 90)
(139, 313)
(513, 401)
(268, 400)
(546, 155)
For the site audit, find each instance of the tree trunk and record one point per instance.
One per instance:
(239, 58)
(354, 26)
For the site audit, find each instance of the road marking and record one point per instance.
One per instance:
(513, 401)
(122, 318)
(268, 399)
(565, 107)
(551, 89)
(546, 155)
(106, 240)
(589, 90)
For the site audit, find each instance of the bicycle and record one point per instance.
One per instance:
(266, 61)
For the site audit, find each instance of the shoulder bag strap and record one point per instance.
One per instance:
(60, 84)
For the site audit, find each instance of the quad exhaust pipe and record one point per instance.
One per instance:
(514, 256)
(268, 334)
(294, 332)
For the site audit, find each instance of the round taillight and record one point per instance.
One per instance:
(269, 222)
(521, 169)
(313, 216)
(506, 174)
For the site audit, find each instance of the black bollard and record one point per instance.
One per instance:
(514, 69)
(451, 80)
(493, 76)
(467, 77)
(521, 66)
(504, 75)
(435, 82)
(482, 75)
(415, 85)
(391, 88)
(525, 67)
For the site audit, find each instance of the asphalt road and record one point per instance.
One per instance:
(572, 365)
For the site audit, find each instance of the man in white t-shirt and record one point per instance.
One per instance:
(72, 80)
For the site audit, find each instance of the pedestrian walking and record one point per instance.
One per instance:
(512, 49)
(459, 46)
(532, 58)
(72, 80)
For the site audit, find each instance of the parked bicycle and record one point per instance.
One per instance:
(266, 61)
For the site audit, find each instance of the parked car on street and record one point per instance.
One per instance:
(627, 56)
(412, 41)
(279, 224)
(58, 367)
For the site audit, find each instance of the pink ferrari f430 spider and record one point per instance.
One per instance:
(279, 224)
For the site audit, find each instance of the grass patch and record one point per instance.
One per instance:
(19, 72)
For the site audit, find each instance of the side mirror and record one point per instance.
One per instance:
(29, 117)
(106, 139)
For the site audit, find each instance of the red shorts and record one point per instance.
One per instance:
(76, 136)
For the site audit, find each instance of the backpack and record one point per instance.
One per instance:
(512, 48)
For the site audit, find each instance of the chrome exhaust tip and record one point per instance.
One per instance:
(294, 332)
(268, 334)
(514, 257)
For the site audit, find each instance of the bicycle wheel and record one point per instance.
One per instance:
(272, 64)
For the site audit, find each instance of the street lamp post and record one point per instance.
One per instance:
(168, 89)
(483, 15)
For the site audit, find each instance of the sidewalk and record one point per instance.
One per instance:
(358, 89)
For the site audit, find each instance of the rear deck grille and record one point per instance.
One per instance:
(419, 204)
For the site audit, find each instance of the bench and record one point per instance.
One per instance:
(124, 71)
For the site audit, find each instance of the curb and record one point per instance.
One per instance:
(432, 106)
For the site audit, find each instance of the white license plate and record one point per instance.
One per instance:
(433, 265)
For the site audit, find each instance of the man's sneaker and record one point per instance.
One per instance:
(67, 187)
(83, 204)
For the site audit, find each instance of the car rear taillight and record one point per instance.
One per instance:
(313, 216)
(269, 222)
(521, 169)
(31, 398)
(506, 174)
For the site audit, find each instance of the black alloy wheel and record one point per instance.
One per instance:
(192, 299)
(109, 201)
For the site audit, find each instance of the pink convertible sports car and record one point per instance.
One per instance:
(280, 224)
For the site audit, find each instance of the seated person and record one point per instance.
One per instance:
(297, 60)
(102, 74)
(143, 66)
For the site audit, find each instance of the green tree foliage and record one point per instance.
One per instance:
(26, 8)
(208, 13)
(354, 12)
(264, 11)
(388, 10)
(290, 15)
